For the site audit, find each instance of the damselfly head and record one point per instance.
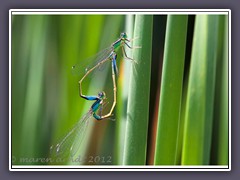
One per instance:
(123, 35)
(102, 95)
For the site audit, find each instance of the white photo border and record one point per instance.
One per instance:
(121, 12)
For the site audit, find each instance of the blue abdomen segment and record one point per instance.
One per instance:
(90, 98)
(96, 105)
(114, 64)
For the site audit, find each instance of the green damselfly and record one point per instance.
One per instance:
(108, 54)
(68, 145)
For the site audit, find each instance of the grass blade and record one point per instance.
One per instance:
(219, 151)
(171, 89)
(122, 95)
(138, 102)
(200, 95)
(223, 139)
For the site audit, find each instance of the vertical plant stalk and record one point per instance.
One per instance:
(171, 90)
(200, 95)
(122, 93)
(219, 149)
(138, 102)
(34, 99)
(224, 121)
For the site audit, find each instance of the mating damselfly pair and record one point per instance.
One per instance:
(67, 144)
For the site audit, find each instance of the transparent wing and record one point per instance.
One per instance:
(68, 145)
(83, 66)
(79, 137)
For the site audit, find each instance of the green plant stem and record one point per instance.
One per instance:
(200, 95)
(138, 102)
(122, 95)
(219, 149)
(224, 121)
(171, 90)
